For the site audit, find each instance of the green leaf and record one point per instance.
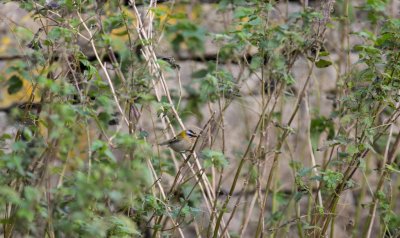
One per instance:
(352, 149)
(27, 133)
(54, 33)
(323, 63)
(122, 227)
(14, 84)
(110, 155)
(318, 126)
(366, 34)
(391, 168)
(5, 137)
(8, 194)
(298, 195)
(242, 12)
(256, 62)
(367, 48)
(332, 178)
(304, 171)
(214, 158)
(323, 53)
(200, 73)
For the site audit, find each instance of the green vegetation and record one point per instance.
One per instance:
(95, 97)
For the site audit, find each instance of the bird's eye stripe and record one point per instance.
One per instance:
(191, 133)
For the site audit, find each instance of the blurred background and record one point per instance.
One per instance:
(296, 102)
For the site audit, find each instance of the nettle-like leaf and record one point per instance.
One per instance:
(337, 140)
(318, 126)
(57, 33)
(113, 22)
(14, 84)
(215, 84)
(214, 158)
(331, 179)
(122, 226)
(322, 63)
(103, 150)
(185, 32)
(89, 70)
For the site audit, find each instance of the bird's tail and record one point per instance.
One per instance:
(164, 143)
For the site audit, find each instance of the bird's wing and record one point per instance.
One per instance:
(170, 141)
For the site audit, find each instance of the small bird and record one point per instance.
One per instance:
(182, 142)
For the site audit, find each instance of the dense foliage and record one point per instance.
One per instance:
(95, 97)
